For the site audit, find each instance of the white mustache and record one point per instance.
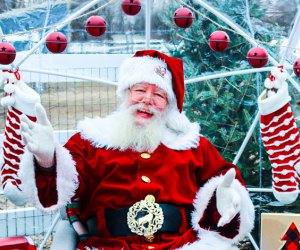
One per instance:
(144, 108)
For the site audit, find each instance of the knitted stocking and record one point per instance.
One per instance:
(280, 136)
(19, 99)
(281, 139)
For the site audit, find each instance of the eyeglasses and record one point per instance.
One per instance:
(139, 93)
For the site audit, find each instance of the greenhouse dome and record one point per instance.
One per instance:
(66, 55)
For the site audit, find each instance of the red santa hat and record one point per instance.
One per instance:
(154, 67)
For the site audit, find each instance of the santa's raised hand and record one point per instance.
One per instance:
(228, 199)
(39, 137)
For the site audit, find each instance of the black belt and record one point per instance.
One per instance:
(116, 220)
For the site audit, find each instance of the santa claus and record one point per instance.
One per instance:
(143, 176)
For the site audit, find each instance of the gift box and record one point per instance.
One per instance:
(280, 231)
(17, 243)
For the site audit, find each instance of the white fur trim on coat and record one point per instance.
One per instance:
(66, 180)
(202, 200)
(99, 131)
(209, 242)
(275, 102)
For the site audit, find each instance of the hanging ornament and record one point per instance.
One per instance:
(218, 41)
(56, 42)
(183, 18)
(257, 57)
(296, 67)
(131, 7)
(7, 53)
(95, 26)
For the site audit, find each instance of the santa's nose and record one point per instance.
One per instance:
(148, 98)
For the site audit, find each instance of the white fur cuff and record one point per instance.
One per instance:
(202, 200)
(209, 242)
(66, 180)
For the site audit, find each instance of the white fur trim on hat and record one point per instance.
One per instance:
(145, 69)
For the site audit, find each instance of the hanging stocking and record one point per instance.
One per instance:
(19, 99)
(280, 136)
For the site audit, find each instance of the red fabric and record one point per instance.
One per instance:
(111, 179)
(18, 242)
(47, 191)
(175, 66)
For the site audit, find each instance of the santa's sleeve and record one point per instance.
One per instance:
(52, 189)
(281, 138)
(206, 216)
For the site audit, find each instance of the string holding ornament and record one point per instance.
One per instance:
(56, 42)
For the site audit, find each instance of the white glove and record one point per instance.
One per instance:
(39, 137)
(228, 199)
(275, 80)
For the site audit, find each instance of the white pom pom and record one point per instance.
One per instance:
(7, 101)
(269, 84)
(9, 88)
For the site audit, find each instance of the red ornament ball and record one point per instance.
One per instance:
(7, 53)
(183, 18)
(296, 67)
(131, 7)
(95, 26)
(218, 41)
(56, 42)
(257, 57)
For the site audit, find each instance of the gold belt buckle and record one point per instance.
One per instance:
(145, 217)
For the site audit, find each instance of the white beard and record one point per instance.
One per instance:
(141, 138)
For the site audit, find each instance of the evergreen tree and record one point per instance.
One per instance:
(224, 107)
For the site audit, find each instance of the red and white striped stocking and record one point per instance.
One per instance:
(280, 135)
(19, 99)
(281, 139)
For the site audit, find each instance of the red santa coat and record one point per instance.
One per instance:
(107, 178)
